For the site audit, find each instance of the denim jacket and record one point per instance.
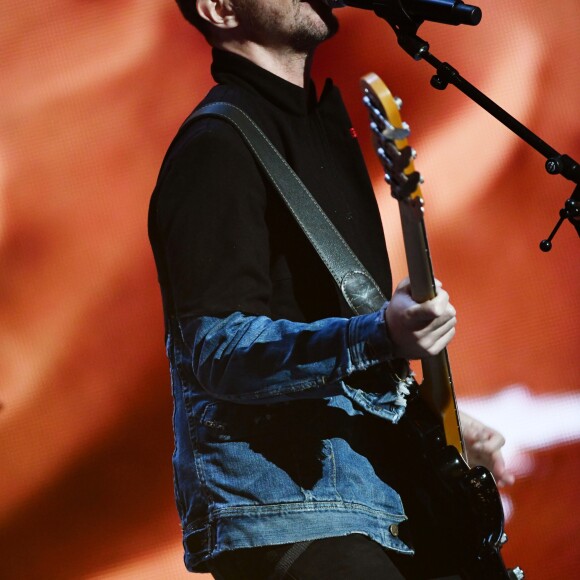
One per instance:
(269, 438)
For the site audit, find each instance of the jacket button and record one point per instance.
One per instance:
(394, 529)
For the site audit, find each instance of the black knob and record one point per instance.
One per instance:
(554, 166)
(438, 82)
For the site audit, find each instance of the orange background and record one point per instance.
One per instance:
(90, 96)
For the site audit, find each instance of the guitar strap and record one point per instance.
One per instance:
(359, 289)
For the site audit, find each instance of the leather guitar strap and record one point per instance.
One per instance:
(359, 289)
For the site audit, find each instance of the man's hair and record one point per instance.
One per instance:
(189, 11)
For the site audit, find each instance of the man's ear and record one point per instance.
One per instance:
(220, 13)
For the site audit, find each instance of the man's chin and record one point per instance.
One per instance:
(326, 15)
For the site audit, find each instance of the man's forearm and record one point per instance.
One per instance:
(253, 359)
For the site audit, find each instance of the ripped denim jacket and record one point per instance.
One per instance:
(272, 445)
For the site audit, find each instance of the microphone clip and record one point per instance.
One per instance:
(406, 16)
(400, 20)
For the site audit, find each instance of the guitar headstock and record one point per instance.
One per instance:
(390, 134)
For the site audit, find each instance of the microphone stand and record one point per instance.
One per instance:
(405, 27)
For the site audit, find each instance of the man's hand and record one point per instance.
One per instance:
(419, 330)
(483, 445)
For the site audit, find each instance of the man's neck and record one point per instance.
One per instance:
(291, 66)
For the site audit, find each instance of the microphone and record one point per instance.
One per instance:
(452, 12)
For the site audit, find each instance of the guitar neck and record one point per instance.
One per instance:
(437, 389)
(390, 141)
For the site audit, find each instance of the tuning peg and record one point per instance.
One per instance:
(405, 126)
(421, 180)
(388, 178)
(413, 153)
(398, 102)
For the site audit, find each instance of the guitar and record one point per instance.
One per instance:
(455, 511)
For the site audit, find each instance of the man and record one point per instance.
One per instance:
(282, 463)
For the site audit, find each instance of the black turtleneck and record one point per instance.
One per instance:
(222, 239)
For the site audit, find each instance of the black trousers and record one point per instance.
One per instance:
(354, 557)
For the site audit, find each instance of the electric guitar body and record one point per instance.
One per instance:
(455, 511)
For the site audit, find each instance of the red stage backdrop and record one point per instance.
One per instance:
(91, 94)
